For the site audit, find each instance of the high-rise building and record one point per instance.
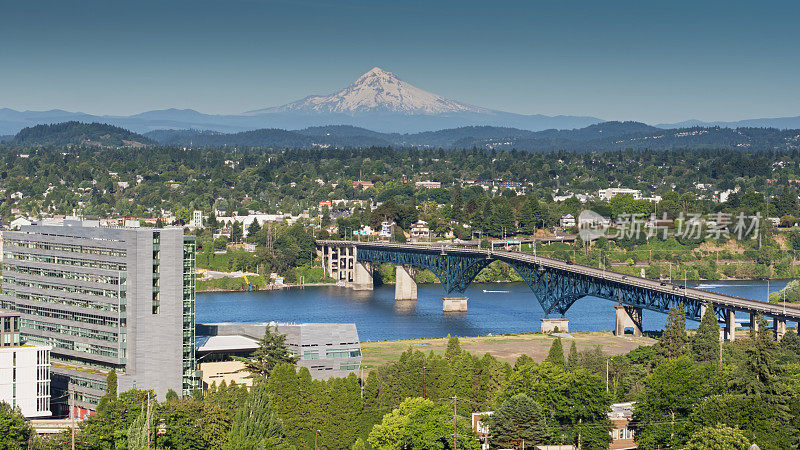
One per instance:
(105, 298)
(24, 370)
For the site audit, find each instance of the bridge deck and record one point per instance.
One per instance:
(728, 301)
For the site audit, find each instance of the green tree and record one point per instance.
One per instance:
(172, 395)
(670, 394)
(111, 389)
(756, 417)
(15, 431)
(673, 342)
(419, 424)
(577, 401)
(705, 342)
(453, 347)
(271, 352)
(519, 419)
(572, 358)
(236, 231)
(718, 437)
(256, 425)
(759, 373)
(253, 229)
(556, 354)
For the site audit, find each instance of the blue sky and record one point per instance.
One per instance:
(636, 60)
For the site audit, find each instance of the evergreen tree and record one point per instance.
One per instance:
(253, 229)
(111, 390)
(572, 358)
(790, 343)
(457, 202)
(556, 354)
(705, 343)
(256, 426)
(236, 232)
(527, 218)
(759, 373)
(673, 341)
(111, 383)
(271, 352)
(522, 360)
(519, 419)
(453, 347)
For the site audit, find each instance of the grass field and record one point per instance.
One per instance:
(507, 347)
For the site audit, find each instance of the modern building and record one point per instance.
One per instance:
(325, 349)
(608, 194)
(24, 370)
(105, 298)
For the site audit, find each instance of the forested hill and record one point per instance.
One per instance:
(607, 136)
(78, 133)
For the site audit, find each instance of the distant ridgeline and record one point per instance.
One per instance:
(607, 136)
(78, 133)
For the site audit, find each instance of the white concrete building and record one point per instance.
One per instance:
(24, 370)
(609, 193)
(197, 219)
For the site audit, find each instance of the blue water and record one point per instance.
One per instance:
(378, 318)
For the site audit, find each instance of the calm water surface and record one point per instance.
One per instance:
(378, 318)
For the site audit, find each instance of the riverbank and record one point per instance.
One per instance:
(505, 347)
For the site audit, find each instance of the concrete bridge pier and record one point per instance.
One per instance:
(362, 277)
(627, 316)
(754, 322)
(728, 333)
(405, 287)
(550, 324)
(454, 304)
(779, 326)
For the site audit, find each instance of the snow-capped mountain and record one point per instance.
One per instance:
(377, 91)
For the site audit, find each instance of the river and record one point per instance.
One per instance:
(378, 318)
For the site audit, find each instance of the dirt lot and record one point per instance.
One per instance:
(504, 347)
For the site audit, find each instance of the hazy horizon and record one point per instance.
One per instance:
(714, 61)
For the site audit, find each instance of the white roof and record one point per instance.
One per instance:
(228, 343)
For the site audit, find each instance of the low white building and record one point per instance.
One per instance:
(567, 220)
(420, 230)
(24, 370)
(609, 193)
(428, 184)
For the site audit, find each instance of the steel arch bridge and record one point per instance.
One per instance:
(557, 285)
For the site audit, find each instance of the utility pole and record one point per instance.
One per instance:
(315, 439)
(72, 414)
(455, 410)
